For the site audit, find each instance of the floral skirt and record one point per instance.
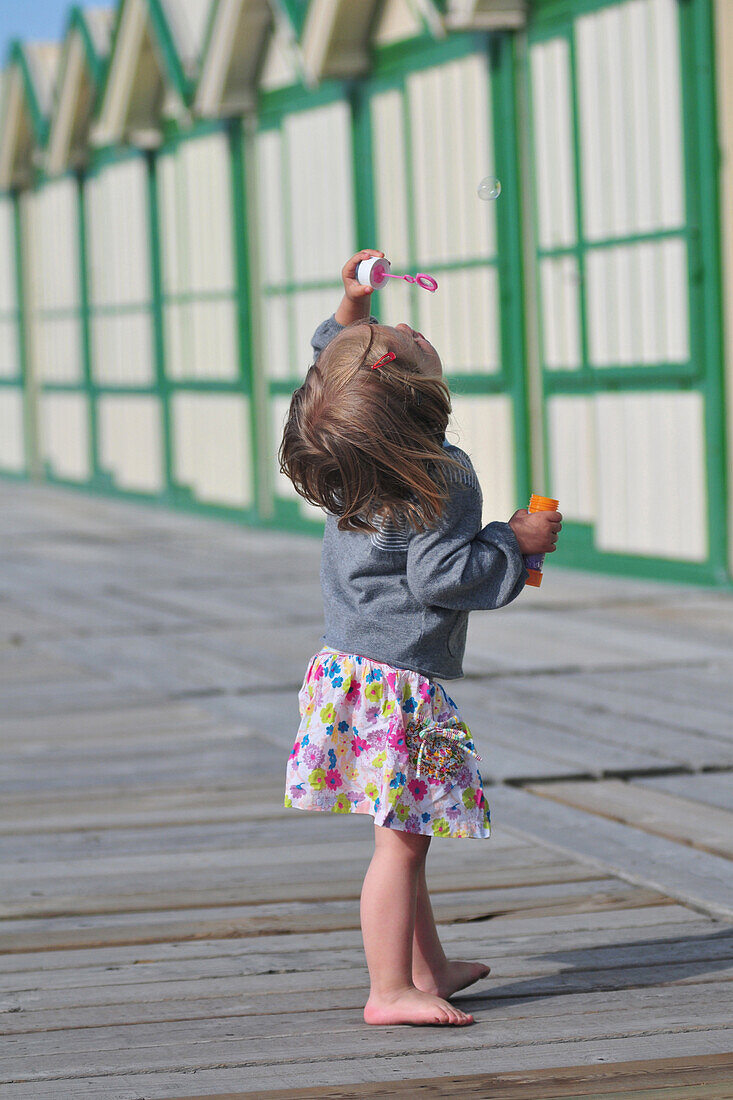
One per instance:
(387, 742)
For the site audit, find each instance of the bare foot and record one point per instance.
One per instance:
(457, 975)
(412, 1006)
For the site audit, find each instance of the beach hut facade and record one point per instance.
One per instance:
(181, 181)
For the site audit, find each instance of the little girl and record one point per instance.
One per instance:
(405, 558)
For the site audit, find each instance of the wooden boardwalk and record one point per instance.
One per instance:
(170, 931)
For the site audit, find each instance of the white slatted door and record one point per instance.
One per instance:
(211, 436)
(613, 283)
(305, 233)
(130, 414)
(56, 341)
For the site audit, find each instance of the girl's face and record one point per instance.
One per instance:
(414, 347)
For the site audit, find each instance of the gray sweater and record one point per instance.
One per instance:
(402, 596)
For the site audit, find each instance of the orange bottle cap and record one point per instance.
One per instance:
(542, 504)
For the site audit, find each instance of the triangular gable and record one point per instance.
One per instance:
(235, 50)
(84, 53)
(152, 69)
(26, 104)
(336, 38)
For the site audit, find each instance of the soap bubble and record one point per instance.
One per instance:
(489, 188)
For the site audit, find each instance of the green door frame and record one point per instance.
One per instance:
(555, 18)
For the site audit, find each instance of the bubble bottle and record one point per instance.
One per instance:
(376, 271)
(534, 562)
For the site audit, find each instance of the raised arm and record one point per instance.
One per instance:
(354, 304)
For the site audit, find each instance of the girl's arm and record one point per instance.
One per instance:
(461, 565)
(354, 304)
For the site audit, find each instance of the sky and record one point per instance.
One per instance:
(34, 20)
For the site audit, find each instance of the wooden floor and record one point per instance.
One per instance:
(170, 931)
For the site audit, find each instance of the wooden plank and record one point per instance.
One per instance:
(656, 812)
(145, 926)
(624, 1079)
(370, 1067)
(691, 876)
(330, 1035)
(567, 702)
(711, 789)
(515, 987)
(714, 1071)
(94, 896)
(667, 925)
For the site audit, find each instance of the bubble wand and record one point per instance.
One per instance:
(375, 272)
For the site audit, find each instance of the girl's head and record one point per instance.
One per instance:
(363, 442)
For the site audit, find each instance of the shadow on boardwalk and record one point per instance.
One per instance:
(172, 931)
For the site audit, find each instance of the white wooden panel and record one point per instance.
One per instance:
(196, 216)
(319, 190)
(65, 434)
(211, 447)
(651, 475)
(461, 320)
(53, 279)
(9, 349)
(451, 151)
(201, 340)
(272, 246)
(130, 442)
(572, 447)
(8, 285)
(118, 234)
(310, 307)
(665, 37)
(12, 453)
(629, 94)
(389, 172)
(122, 348)
(283, 488)
(57, 348)
(483, 427)
(552, 128)
(395, 304)
(398, 21)
(119, 274)
(276, 340)
(54, 246)
(637, 299)
(559, 284)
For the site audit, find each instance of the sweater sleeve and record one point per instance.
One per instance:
(461, 565)
(325, 333)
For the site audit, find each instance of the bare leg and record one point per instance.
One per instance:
(431, 970)
(388, 904)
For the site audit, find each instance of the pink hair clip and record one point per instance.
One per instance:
(386, 358)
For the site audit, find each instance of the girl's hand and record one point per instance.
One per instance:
(355, 302)
(536, 532)
(354, 290)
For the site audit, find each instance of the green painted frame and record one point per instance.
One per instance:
(554, 18)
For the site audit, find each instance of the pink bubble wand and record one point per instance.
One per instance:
(376, 271)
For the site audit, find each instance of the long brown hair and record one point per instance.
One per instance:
(367, 444)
